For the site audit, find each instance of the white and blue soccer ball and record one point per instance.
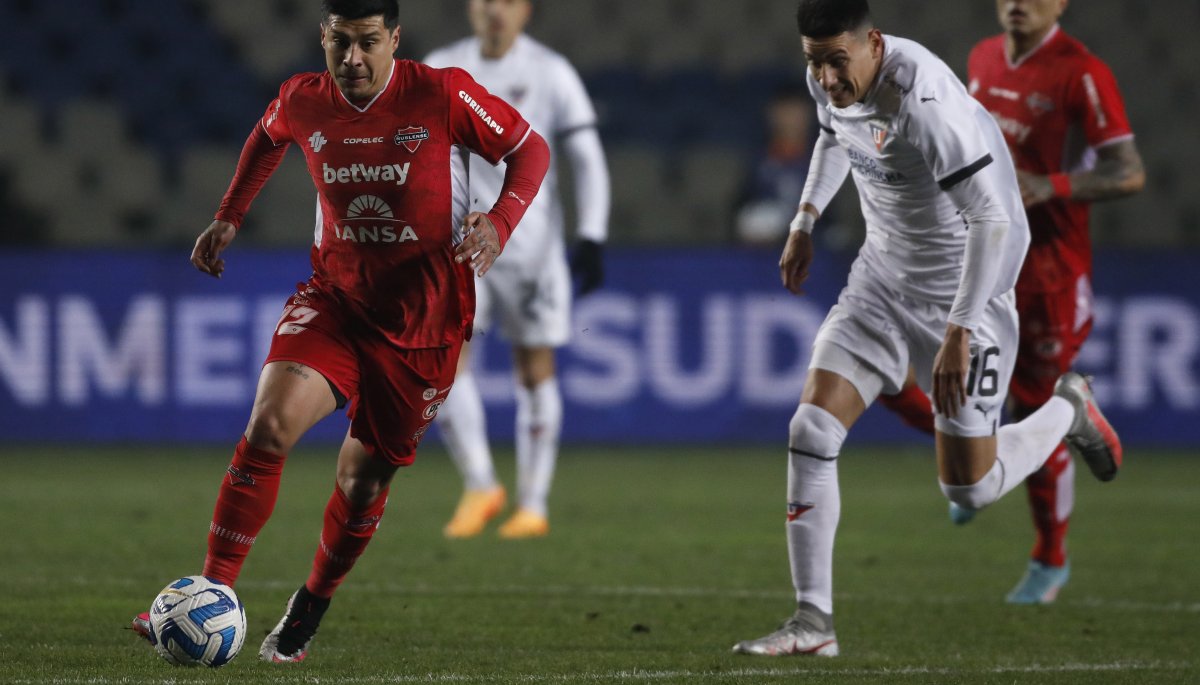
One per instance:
(196, 621)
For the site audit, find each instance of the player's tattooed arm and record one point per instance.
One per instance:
(1118, 172)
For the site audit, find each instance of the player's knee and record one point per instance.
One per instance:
(268, 431)
(977, 495)
(361, 490)
(815, 438)
(815, 432)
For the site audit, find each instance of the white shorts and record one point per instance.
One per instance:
(874, 333)
(531, 308)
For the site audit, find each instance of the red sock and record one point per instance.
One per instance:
(343, 538)
(912, 406)
(1051, 498)
(244, 503)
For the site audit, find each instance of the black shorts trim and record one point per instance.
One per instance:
(338, 397)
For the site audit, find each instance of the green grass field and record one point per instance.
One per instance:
(658, 561)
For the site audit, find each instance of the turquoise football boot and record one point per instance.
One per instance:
(1041, 584)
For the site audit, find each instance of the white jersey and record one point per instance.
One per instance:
(543, 86)
(917, 134)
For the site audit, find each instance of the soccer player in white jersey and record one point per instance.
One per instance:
(932, 287)
(527, 295)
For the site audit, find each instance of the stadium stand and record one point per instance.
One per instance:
(137, 108)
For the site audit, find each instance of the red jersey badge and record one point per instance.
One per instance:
(411, 136)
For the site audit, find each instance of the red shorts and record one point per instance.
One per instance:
(393, 393)
(1054, 326)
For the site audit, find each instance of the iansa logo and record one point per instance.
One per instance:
(368, 206)
(370, 220)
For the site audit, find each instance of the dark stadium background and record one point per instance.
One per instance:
(122, 120)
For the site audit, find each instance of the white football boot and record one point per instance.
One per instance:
(809, 631)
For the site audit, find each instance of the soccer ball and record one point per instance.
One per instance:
(196, 621)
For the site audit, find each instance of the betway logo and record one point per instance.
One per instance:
(483, 114)
(361, 173)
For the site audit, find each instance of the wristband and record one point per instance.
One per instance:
(803, 222)
(1062, 185)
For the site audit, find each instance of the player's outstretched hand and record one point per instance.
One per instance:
(206, 255)
(793, 265)
(950, 371)
(480, 245)
(587, 264)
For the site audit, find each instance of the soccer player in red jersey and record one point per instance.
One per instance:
(1062, 115)
(1061, 111)
(380, 322)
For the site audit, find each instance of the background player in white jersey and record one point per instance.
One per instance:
(932, 287)
(527, 295)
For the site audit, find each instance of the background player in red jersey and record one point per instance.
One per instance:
(380, 322)
(1062, 115)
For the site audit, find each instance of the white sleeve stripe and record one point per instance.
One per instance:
(519, 143)
(268, 132)
(1115, 139)
(1093, 96)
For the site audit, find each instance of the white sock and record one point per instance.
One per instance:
(464, 430)
(814, 503)
(1021, 449)
(539, 424)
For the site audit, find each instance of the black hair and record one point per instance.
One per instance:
(360, 9)
(828, 18)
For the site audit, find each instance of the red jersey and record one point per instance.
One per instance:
(1056, 105)
(385, 243)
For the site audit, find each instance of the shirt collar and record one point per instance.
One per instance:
(1045, 41)
(391, 75)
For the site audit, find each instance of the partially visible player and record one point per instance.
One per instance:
(1064, 120)
(379, 324)
(527, 295)
(931, 288)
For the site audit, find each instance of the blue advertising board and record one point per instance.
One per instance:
(682, 345)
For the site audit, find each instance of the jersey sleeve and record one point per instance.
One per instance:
(480, 121)
(1096, 102)
(938, 118)
(275, 120)
(573, 106)
(974, 68)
